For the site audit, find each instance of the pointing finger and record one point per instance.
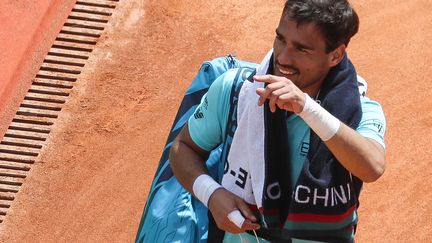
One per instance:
(266, 78)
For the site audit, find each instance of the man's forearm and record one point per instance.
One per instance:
(186, 162)
(363, 157)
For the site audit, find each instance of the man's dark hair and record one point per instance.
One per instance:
(336, 19)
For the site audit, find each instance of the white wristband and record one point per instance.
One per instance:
(237, 218)
(203, 187)
(324, 124)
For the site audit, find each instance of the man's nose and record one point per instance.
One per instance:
(286, 56)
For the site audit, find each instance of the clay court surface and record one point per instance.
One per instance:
(91, 181)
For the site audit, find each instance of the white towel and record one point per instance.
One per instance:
(245, 171)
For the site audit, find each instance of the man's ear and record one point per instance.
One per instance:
(336, 55)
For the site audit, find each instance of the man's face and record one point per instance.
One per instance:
(300, 55)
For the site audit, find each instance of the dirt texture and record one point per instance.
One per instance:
(92, 179)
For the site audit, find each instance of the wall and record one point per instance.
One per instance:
(27, 30)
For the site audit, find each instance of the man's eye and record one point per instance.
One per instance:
(279, 37)
(304, 50)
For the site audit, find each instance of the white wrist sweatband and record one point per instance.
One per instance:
(203, 187)
(324, 124)
(237, 218)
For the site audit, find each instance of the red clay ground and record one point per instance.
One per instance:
(92, 179)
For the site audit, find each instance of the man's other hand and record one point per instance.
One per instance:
(221, 203)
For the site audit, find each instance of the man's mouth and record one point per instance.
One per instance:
(286, 70)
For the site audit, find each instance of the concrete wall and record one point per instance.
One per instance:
(27, 30)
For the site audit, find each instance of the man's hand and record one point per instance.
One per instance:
(221, 203)
(280, 92)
